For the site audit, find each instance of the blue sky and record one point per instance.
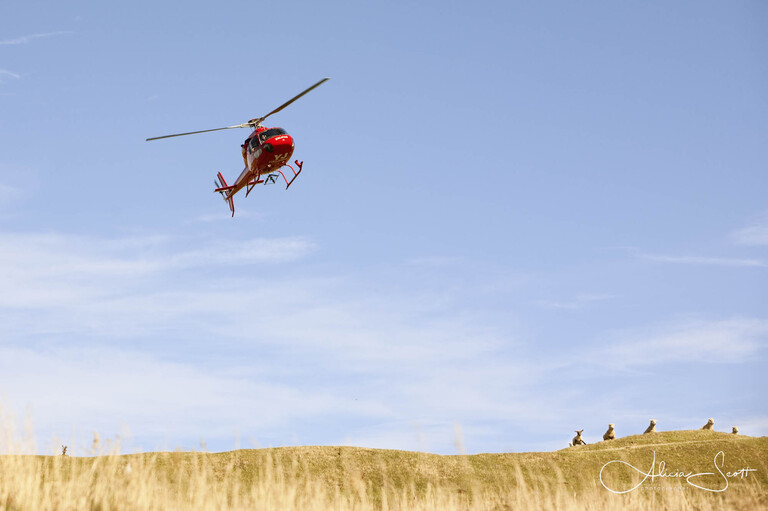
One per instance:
(516, 219)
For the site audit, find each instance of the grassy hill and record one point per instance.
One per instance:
(359, 478)
(576, 466)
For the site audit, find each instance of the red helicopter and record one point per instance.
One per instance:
(265, 152)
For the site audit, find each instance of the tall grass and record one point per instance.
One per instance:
(198, 481)
(319, 478)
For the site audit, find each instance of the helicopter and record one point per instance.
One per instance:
(265, 153)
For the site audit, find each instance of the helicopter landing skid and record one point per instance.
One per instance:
(227, 191)
(269, 179)
(295, 174)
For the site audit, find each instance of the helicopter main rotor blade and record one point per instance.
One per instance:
(244, 125)
(250, 124)
(318, 84)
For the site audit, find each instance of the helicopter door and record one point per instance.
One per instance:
(253, 146)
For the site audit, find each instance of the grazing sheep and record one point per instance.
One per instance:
(735, 430)
(577, 440)
(651, 428)
(609, 435)
(710, 423)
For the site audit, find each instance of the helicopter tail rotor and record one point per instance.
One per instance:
(223, 188)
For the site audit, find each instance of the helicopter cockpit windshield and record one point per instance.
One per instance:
(272, 132)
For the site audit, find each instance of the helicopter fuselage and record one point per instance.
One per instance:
(264, 151)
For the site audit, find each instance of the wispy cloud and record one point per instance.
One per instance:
(4, 74)
(705, 260)
(753, 235)
(77, 274)
(729, 341)
(222, 344)
(242, 214)
(31, 37)
(97, 388)
(580, 301)
(437, 261)
(8, 193)
(88, 255)
(294, 343)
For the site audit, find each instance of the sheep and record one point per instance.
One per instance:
(735, 430)
(609, 435)
(651, 428)
(577, 440)
(708, 426)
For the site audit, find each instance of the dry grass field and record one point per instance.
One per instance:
(349, 478)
